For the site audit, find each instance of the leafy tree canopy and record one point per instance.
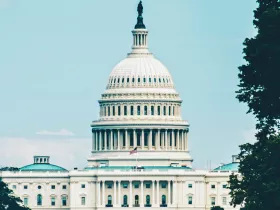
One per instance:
(259, 85)
(9, 169)
(7, 199)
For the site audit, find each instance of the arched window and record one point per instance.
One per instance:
(144, 80)
(138, 110)
(150, 80)
(173, 110)
(139, 79)
(163, 80)
(158, 110)
(159, 80)
(132, 110)
(145, 110)
(109, 202)
(125, 110)
(127, 80)
(163, 199)
(39, 200)
(133, 80)
(64, 201)
(125, 200)
(109, 111)
(118, 80)
(169, 110)
(164, 110)
(119, 110)
(148, 200)
(114, 111)
(122, 80)
(136, 201)
(152, 110)
(52, 201)
(155, 80)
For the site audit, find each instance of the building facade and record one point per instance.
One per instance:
(140, 157)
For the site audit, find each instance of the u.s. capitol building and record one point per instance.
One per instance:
(140, 157)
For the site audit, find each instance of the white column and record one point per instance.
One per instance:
(100, 140)
(119, 193)
(158, 140)
(158, 199)
(126, 140)
(165, 140)
(169, 194)
(105, 140)
(130, 194)
(182, 140)
(183, 192)
(150, 139)
(142, 194)
(142, 139)
(103, 193)
(96, 140)
(134, 138)
(93, 140)
(98, 193)
(119, 145)
(173, 139)
(153, 193)
(115, 193)
(111, 140)
(178, 141)
(186, 141)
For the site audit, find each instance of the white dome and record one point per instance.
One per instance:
(140, 71)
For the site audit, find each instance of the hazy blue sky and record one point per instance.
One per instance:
(56, 56)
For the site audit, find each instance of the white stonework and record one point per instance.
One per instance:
(139, 110)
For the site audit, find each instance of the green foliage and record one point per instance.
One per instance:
(259, 187)
(7, 199)
(9, 169)
(259, 78)
(217, 208)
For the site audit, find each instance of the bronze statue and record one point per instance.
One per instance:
(140, 8)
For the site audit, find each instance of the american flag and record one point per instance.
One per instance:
(133, 151)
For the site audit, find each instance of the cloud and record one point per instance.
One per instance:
(62, 132)
(65, 152)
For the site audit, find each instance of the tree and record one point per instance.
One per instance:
(8, 201)
(259, 78)
(257, 187)
(217, 208)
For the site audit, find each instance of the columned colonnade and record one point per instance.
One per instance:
(143, 139)
(155, 192)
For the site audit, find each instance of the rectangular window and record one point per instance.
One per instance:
(189, 185)
(125, 186)
(64, 201)
(144, 80)
(213, 186)
(138, 110)
(83, 201)
(109, 186)
(53, 187)
(114, 111)
(224, 186)
(190, 200)
(224, 200)
(25, 201)
(52, 201)
(125, 110)
(109, 111)
(213, 201)
(139, 80)
(64, 187)
(148, 186)
(83, 186)
(132, 110)
(119, 110)
(163, 185)
(14, 187)
(25, 187)
(136, 186)
(158, 110)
